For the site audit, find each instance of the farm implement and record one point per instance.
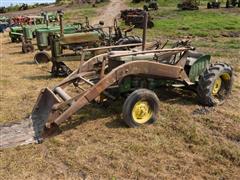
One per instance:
(215, 4)
(135, 17)
(31, 23)
(24, 28)
(232, 3)
(188, 5)
(229, 4)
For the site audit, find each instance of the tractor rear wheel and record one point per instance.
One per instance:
(128, 40)
(215, 84)
(141, 107)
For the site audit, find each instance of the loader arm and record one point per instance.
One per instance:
(131, 68)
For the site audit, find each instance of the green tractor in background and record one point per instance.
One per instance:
(87, 37)
(33, 22)
(42, 34)
(16, 33)
(27, 25)
(30, 32)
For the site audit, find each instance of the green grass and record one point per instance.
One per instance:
(79, 12)
(196, 23)
(163, 3)
(85, 10)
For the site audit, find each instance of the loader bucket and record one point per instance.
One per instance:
(42, 110)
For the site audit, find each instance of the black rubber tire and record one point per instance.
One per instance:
(132, 99)
(13, 40)
(60, 69)
(127, 40)
(150, 24)
(27, 47)
(206, 83)
(42, 57)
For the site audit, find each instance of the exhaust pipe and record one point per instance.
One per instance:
(61, 13)
(145, 21)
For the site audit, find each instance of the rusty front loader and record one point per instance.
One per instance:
(136, 74)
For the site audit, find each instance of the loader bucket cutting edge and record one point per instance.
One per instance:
(41, 111)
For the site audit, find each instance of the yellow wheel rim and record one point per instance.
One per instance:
(217, 86)
(226, 76)
(141, 112)
(218, 83)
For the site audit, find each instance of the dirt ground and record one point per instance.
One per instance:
(108, 13)
(187, 142)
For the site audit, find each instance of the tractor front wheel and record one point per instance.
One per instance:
(141, 107)
(60, 69)
(42, 57)
(27, 47)
(215, 84)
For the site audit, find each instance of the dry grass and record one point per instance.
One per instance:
(97, 145)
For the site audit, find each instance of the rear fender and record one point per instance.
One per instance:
(198, 67)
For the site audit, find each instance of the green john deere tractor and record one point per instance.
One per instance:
(16, 32)
(43, 34)
(30, 31)
(91, 37)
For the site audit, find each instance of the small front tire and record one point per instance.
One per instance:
(141, 107)
(42, 57)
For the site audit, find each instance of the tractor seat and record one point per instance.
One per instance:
(194, 54)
